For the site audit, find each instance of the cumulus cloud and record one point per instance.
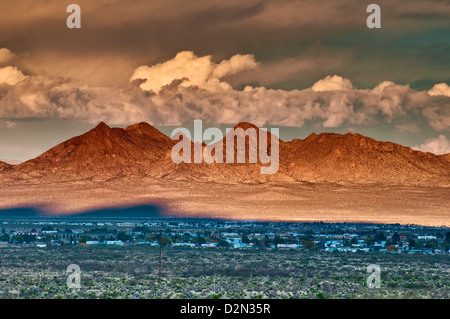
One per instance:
(193, 71)
(188, 87)
(5, 56)
(440, 89)
(11, 75)
(390, 98)
(437, 145)
(332, 83)
(438, 116)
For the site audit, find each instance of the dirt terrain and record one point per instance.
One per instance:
(266, 201)
(325, 177)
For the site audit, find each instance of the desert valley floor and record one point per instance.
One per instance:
(269, 201)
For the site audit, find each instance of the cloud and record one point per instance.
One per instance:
(437, 145)
(440, 89)
(5, 56)
(390, 98)
(11, 75)
(193, 71)
(113, 44)
(438, 116)
(332, 83)
(188, 87)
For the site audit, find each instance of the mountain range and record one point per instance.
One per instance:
(141, 150)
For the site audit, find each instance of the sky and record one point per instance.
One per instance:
(303, 66)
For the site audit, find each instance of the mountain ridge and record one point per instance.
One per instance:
(5, 166)
(142, 150)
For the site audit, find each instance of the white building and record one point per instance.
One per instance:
(92, 242)
(114, 242)
(426, 237)
(288, 246)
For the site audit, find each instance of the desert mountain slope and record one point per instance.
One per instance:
(445, 157)
(360, 159)
(140, 149)
(103, 150)
(234, 172)
(4, 166)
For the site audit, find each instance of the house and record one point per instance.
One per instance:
(230, 234)
(209, 245)
(349, 236)
(334, 243)
(92, 242)
(49, 232)
(288, 246)
(236, 242)
(426, 237)
(380, 244)
(114, 242)
(126, 224)
(392, 249)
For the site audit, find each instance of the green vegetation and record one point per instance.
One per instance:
(132, 272)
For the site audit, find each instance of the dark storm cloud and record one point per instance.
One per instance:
(117, 36)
